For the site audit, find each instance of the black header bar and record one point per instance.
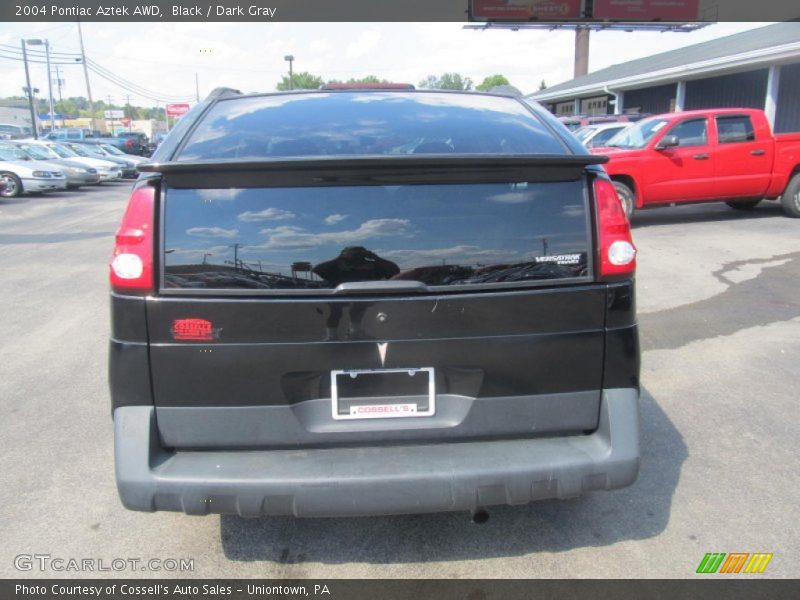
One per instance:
(398, 10)
(349, 589)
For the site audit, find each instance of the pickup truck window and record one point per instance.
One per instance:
(735, 129)
(691, 133)
(319, 237)
(639, 135)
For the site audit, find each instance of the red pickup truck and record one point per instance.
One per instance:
(726, 155)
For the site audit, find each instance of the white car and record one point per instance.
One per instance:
(598, 135)
(108, 170)
(22, 175)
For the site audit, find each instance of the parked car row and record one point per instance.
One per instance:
(128, 142)
(45, 165)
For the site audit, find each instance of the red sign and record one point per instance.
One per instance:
(647, 10)
(125, 121)
(525, 10)
(192, 329)
(177, 110)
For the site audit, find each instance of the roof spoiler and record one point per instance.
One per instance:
(373, 170)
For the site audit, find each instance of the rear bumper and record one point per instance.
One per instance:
(378, 479)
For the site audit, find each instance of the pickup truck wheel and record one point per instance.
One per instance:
(791, 198)
(627, 197)
(743, 204)
(13, 185)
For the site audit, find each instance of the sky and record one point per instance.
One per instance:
(164, 58)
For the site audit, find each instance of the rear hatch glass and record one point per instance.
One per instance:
(313, 239)
(367, 123)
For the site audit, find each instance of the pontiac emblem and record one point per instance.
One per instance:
(382, 352)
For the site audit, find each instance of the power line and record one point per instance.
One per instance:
(19, 58)
(137, 92)
(101, 70)
(61, 58)
(39, 53)
(135, 89)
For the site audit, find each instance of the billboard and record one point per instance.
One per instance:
(177, 110)
(524, 10)
(647, 10)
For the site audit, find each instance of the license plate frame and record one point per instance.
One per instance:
(380, 410)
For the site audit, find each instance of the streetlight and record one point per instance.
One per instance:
(290, 58)
(29, 90)
(46, 44)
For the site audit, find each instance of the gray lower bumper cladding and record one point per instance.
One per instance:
(376, 480)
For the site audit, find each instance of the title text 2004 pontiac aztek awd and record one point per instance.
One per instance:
(371, 302)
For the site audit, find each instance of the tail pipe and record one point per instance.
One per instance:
(480, 515)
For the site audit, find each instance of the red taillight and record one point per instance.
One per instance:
(132, 261)
(129, 144)
(617, 252)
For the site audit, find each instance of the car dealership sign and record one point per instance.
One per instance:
(177, 110)
(524, 10)
(647, 10)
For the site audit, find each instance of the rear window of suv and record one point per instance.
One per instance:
(312, 239)
(367, 123)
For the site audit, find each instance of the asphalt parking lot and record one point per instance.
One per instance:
(719, 306)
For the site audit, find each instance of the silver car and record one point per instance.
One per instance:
(114, 151)
(77, 174)
(108, 170)
(22, 175)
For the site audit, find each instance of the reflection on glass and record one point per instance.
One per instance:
(318, 238)
(355, 263)
(367, 123)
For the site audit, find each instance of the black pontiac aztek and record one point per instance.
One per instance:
(361, 302)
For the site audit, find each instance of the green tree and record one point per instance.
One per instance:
(79, 106)
(367, 79)
(300, 81)
(492, 81)
(446, 81)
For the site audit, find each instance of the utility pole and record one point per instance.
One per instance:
(581, 51)
(196, 87)
(29, 90)
(59, 83)
(113, 121)
(130, 113)
(86, 75)
(49, 86)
